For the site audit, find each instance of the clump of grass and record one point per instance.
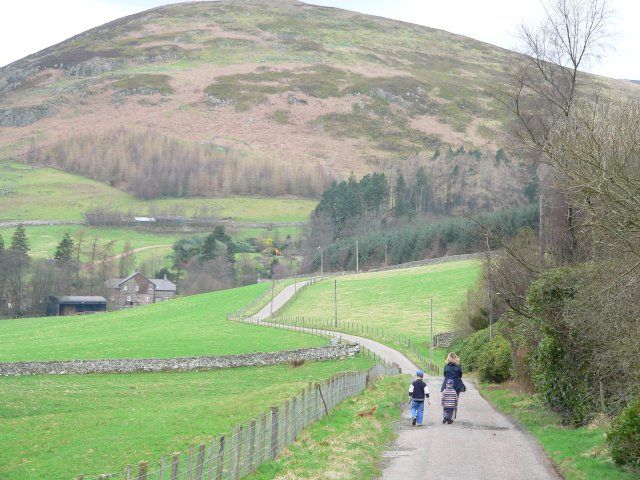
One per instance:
(156, 82)
(281, 116)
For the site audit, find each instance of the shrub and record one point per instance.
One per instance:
(624, 437)
(494, 361)
(562, 382)
(470, 348)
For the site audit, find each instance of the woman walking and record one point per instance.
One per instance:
(453, 374)
(453, 371)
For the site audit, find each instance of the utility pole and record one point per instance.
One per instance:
(335, 300)
(431, 335)
(272, 287)
(321, 262)
(490, 312)
(468, 306)
(357, 258)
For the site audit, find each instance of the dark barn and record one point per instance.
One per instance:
(73, 305)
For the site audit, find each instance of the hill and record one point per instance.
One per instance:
(296, 92)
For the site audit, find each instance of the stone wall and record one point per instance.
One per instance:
(181, 364)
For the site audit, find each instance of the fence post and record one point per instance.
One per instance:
(252, 444)
(127, 472)
(220, 458)
(175, 466)
(285, 423)
(294, 426)
(199, 462)
(189, 460)
(238, 448)
(142, 470)
(273, 450)
(261, 441)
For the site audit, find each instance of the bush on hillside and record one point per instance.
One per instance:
(494, 360)
(624, 437)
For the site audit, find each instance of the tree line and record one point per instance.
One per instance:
(568, 296)
(150, 165)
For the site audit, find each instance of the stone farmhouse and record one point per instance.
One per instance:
(136, 289)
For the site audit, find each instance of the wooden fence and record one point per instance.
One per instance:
(241, 451)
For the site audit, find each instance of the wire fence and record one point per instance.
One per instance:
(323, 326)
(241, 451)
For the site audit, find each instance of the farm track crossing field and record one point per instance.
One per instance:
(187, 326)
(28, 193)
(396, 300)
(56, 427)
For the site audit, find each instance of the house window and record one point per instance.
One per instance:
(113, 298)
(128, 298)
(125, 288)
(150, 287)
(137, 288)
(137, 298)
(147, 299)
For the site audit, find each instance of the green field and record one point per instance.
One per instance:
(44, 239)
(29, 193)
(578, 453)
(187, 326)
(396, 300)
(56, 427)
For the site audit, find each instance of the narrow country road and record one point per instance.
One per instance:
(482, 444)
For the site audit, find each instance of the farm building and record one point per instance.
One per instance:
(74, 305)
(136, 289)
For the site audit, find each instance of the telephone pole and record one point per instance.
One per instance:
(335, 300)
(431, 335)
(357, 258)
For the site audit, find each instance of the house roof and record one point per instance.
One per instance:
(73, 299)
(162, 284)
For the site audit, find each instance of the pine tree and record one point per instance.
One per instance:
(209, 247)
(64, 252)
(19, 241)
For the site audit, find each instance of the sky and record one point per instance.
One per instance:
(27, 26)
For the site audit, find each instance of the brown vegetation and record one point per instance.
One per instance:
(150, 165)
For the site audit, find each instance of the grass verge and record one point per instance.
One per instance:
(578, 453)
(344, 445)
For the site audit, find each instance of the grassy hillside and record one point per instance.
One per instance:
(396, 300)
(193, 325)
(28, 193)
(56, 427)
(292, 82)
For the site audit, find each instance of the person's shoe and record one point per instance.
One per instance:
(419, 424)
(444, 420)
(413, 422)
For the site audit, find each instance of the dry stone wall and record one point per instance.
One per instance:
(181, 364)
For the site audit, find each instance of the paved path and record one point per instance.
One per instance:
(482, 444)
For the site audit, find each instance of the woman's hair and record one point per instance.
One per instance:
(452, 358)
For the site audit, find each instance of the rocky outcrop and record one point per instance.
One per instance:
(22, 116)
(14, 75)
(182, 364)
(93, 67)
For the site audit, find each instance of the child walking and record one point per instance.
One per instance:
(418, 392)
(449, 403)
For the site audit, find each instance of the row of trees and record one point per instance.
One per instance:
(151, 165)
